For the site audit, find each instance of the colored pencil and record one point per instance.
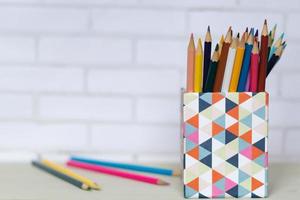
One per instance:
(229, 64)
(70, 173)
(254, 68)
(274, 59)
(141, 168)
(212, 70)
(263, 62)
(114, 172)
(207, 53)
(273, 32)
(60, 175)
(246, 33)
(222, 62)
(269, 43)
(190, 65)
(237, 65)
(198, 71)
(246, 63)
(221, 42)
(276, 45)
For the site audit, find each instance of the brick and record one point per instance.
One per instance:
(288, 81)
(162, 52)
(39, 19)
(190, 3)
(15, 106)
(32, 136)
(291, 144)
(150, 139)
(17, 49)
(283, 113)
(139, 21)
(271, 5)
(158, 110)
(84, 50)
(85, 108)
(212, 18)
(289, 58)
(134, 81)
(41, 79)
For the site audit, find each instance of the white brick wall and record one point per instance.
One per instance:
(103, 76)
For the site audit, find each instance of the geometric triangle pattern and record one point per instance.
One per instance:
(225, 137)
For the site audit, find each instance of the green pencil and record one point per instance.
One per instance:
(209, 85)
(64, 177)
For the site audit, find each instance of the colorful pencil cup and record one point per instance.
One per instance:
(225, 138)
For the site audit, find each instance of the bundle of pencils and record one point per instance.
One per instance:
(112, 168)
(65, 174)
(237, 64)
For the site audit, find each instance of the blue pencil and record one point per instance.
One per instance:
(246, 63)
(154, 170)
(276, 45)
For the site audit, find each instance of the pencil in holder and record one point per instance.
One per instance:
(225, 150)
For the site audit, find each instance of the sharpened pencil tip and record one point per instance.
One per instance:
(238, 35)
(251, 31)
(161, 182)
(246, 30)
(208, 28)
(282, 35)
(217, 47)
(256, 33)
(265, 22)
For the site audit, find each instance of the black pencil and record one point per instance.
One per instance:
(64, 177)
(207, 52)
(212, 71)
(274, 59)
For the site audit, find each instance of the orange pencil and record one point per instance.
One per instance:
(190, 65)
(263, 59)
(222, 62)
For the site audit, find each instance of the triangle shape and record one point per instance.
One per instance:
(203, 105)
(216, 176)
(247, 137)
(189, 192)
(261, 112)
(247, 152)
(203, 152)
(189, 145)
(189, 97)
(194, 121)
(194, 137)
(243, 96)
(207, 160)
(220, 121)
(229, 104)
(243, 191)
(233, 96)
(220, 137)
(243, 176)
(216, 128)
(207, 145)
(260, 144)
(234, 160)
(194, 184)
(234, 113)
(194, 153)
(261, 160)
(221, 184)
(207, 97)
(229, 184)
(217, 97)
(234, 192)
(255, 184)
(243, 145)
(216, 192)
(234, 129)
(229, 137)
(188, 129)
(256, 152)
(247, 120)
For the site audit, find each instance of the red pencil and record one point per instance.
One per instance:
(254, 67)
(114, 172)
(263, 59)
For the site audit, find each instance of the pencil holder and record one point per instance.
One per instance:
(225, 138)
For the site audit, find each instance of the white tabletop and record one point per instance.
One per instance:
(22, 181)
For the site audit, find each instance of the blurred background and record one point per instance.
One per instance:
(102, 77)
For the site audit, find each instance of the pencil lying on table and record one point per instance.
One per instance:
(70, 173)
(114, 172)
(60, 175)
(127, 166)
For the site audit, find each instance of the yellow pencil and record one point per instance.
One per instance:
(70, 173)
(237, 65)
(198, 75)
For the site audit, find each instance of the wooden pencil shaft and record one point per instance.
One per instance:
(62, 176)
(245, 68)
(211, 76)
(190, 65)
(263, 64)
(274, 59)
(221, 67)
(207, 53)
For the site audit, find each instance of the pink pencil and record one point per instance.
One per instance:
(114, 172)
(254, 68)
